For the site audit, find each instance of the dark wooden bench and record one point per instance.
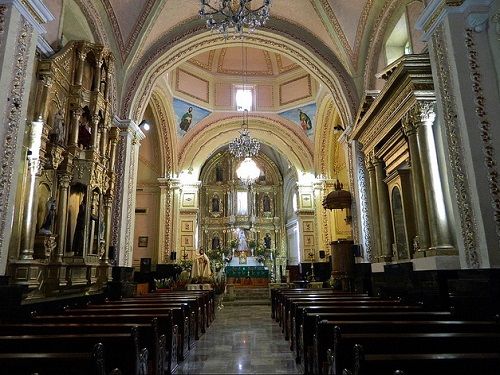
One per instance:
(165, 323)
(469, 363)
(324, 332)
(305, 331)
(62, 363)
(163, 357)
(120, 349)
(410, 343)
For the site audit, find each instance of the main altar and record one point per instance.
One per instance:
(246, 270)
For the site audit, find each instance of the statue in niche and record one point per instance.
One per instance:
(219, 175)
(215, 203)
(46, 227)
(242, 240)
(84, 133)
(266, 203)
(215, 242)
(267, 241)
(79, 229)
(57, 133)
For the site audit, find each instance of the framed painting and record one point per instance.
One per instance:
(142, 241)
(186, 226)
(307, 226)
(308, 240)
(187, 240)
(188, 200)
(306, 201)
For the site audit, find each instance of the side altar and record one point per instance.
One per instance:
(246, 271)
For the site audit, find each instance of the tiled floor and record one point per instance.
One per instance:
(241, 340)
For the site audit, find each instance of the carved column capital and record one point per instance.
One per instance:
(408, 125)
(423, 113)
(77, 112)
(64, 180)
(47, 80)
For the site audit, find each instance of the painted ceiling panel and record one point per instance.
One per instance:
(127, 13)
(253, 61)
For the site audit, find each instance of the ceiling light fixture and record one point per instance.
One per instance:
(244, 146)
(247, 171)
(225, 15)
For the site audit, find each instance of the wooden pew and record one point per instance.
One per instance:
(180, 312)
(467, 363)
(304, 342)
(410, 343)
(324, 332)
(163, 357)
(121, 349)
(165, 323)
(62, 363)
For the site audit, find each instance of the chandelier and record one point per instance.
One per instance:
(244, 146)
(247, 171)
(223, 15)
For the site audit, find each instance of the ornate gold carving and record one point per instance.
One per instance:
(461, 184)
(484, 125)
(14, 119)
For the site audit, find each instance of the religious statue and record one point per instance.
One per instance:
(242, 241)
(215, 242)
(84, 134)
(46, 227)
(201, 265)
(58, 131)
(186, 119)
(305, 121)
(219, 175)
(79, 229)
(267, 241)
(266, 203)
(215, 203)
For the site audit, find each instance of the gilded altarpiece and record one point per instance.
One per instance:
(68, 181)
(231, 211)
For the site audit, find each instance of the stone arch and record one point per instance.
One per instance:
(168, 150)
(207, 137)
(295, 42)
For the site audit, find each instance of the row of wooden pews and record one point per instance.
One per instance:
(144, 335)
(343, 334)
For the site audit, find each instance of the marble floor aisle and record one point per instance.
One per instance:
(241, 340)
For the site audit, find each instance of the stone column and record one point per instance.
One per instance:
(76, 114)
(21, 30)
(464, 44)
(95, 132)
(374, 209)
(62, 217)
(418, 186)
(361, 193)
(439, 231)
(384, 212)
(126, 172)
(82, 55)
(168, 188)
(35, 163)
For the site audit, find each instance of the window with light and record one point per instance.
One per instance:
(244, 99)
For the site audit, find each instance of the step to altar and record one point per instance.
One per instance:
(246, 295)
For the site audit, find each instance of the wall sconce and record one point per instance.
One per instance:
(338, 200)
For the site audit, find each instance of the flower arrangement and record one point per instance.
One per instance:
(186, 265)
(252, 244)
(234, 243)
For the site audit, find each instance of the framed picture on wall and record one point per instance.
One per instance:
(187, 240)
(142, 241)
(307, 226)
(309, 240)
(306, 201)
(188, 200)
(186, 226)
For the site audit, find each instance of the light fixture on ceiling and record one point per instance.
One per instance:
(247, 171)
(144, 125)
(244, 146)
(225, 15)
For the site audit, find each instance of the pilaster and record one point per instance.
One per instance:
(124, 209)
(20, 27)
(467, 98)
(168, 191)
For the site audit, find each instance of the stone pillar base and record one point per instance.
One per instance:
(446, 262)
(378, 267)
(420, 253)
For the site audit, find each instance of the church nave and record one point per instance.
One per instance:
(241, 340)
